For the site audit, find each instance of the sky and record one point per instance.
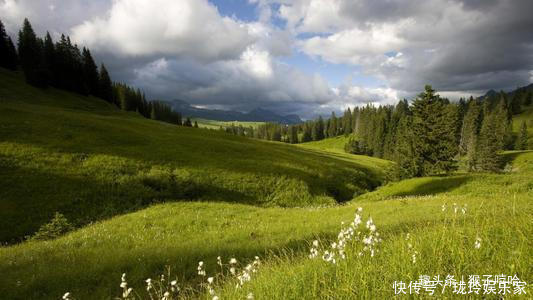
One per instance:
(305, 57)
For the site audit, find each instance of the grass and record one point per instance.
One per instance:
(213, 124)
(133, 179)
(181, 234)
(80, 156)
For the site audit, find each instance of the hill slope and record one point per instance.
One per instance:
(87, 159)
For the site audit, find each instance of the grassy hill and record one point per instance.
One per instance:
(83, 157)
(90, 261)
(80, 156)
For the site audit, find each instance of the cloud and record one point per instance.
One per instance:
(451, 44)
(185, 28)
(253, 80)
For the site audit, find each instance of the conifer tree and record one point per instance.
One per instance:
(489, 145)
(528, 98)
(293, 134)
(332, 129)
(242, 130)
(49, 57)
(8, 54)
(522, 141)
(90, 72)
(307, 133)
(318, 130)
(188, 123)
(470, 131)
(105, 89)
(29, 49)
(12, 56)
(405, 156)
(434, 134)
(347, 122)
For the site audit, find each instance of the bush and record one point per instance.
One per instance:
(58, 226)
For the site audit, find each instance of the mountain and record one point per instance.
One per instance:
(256, 115)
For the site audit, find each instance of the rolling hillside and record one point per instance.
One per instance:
(129, 182)
(88, 160)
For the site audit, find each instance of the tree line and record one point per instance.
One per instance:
(431, 135)
(64, 66)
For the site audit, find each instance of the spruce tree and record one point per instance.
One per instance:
(469, 132)
(8, 55)
(12, 60)
(105, 89)
(90, 72)
(332, 129)
(49, 58)
(293, 134)
(242, 130)
(434, 133)
(489, 145)
(347, 122)
(407, 164)
(307, 134)
(318, 130)
(29, 49)
(188, 123)
(522, 141)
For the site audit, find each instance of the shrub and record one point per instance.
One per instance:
(58, 226)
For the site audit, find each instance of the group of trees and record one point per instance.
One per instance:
(64, 66)
(429, 136)
(435, 136)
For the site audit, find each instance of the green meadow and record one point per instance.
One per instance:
(213, 124)
(147, 198)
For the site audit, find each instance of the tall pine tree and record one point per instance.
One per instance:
(434, 134)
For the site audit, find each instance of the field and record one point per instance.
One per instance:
(212, 124)
(145, 196)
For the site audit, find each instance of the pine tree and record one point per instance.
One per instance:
(522, 141)
(332, 129)
(49, 57)
(405, 156)
(13, 60)
(318, 130)
(196, 126)
(490, 143)
(105, 89)
(347, 122)
(293, 134)
(188, 123)
(8, 54)
(29, 49)
(90, 72)
(528, 98)
(307, 134)
(434, 132)
(470, 131)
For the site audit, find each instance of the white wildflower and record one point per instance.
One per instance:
(477, 244)
(201, 270)
(250, 296)
(66, 296)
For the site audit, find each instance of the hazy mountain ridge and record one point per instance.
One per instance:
(256, 115)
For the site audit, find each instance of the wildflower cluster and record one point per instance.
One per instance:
(347, 234)
(126, 291)
(246, 273)
(457, 208)
(411, 250)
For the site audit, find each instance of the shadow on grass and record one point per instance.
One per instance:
(433, 186)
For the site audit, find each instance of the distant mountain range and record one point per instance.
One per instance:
(256, 115)
(493, 93)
